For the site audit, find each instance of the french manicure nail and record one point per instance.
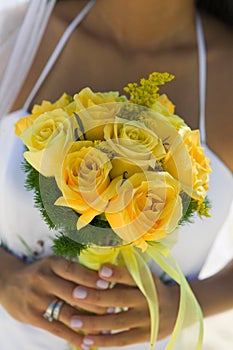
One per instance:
(111, 310)
(76, 323)
(106, 271)
(88, 341)
(79, 293)
(84, 347)
(102, 284)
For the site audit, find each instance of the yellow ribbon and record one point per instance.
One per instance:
(141, 274)
(189, 310)
(136, 263)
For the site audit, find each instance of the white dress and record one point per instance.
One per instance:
(20, 221)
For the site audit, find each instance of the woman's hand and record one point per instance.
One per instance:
(131, 325)
(27, 291)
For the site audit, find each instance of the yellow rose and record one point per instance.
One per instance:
(187, 163)
(125, 168)
(95, 110)
(165, 102)
(177, 161)
(48, 139)
(134, 147)
(200, 164)
(46, 106)
(145, 207)
(133, 140)
(159, 124)
(83, 181)
(171, 118)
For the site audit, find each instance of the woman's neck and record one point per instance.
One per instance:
(142, 25)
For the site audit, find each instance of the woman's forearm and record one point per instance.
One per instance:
(9, 265)
(215, 293)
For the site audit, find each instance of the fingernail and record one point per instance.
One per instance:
(88, 341)
(102, 284)
(76, 323)
(106, 332)
(79, 293)
(111, 310)
(106, 271)
(84, 347)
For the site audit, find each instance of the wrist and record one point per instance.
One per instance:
(10, 265)
(215, 293)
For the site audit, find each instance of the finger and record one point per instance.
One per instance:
(132, 336)
(119, 321)
(119, 296)
(62, 331)
(64, 315)
(57, 328)
(65, 290)
(76, 273)
(72, 318)
(57, 285)
(118, 274)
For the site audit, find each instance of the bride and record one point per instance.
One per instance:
(105, 45)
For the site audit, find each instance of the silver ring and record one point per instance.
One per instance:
(48, 315)
(57, 309)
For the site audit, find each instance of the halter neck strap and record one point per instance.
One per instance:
(21, 55)
(63, 40)
(202, 77)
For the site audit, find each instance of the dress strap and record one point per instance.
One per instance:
(63, 40)
(202, 77)
(21, 54)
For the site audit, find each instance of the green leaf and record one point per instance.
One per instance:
(65, 246)
(192, 206)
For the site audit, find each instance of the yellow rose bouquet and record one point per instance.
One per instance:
(116, 176)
